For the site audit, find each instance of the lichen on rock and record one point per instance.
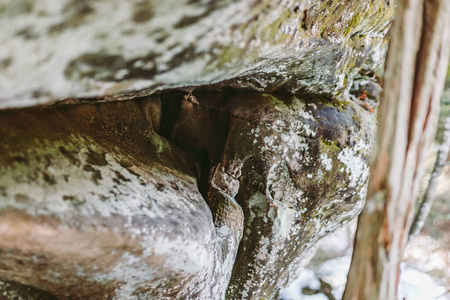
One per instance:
(180, 149)
(101, 48)
(160, 201)
(108, 214)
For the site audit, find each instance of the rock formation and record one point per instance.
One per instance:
(180, 150)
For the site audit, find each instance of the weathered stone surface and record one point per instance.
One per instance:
(15, 291)
(245, 138)
(87, 210)
(55, 49)
(302, 166)
(106, 199)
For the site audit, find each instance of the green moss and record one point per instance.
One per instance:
(327, 146)
(227, 56)
(353, 24)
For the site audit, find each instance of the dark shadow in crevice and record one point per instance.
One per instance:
(203, 177)
(170, 111)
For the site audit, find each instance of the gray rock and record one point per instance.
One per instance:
(185, 149)
(56, 49)
(108, 197)
(91, 212)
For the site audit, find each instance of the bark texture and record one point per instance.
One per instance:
(428, 196)
(415, 73)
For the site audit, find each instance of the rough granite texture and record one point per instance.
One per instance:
(196, 150)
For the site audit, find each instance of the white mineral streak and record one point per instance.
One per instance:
(287, 217)
(297, 110)
(226, 256)
(281, 189)
(326, 162)
(130, 267)
(356, 166)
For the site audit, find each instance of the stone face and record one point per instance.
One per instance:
(53, 49)
(197, 150)
(87, 211)
(151, 197)
(302, 167)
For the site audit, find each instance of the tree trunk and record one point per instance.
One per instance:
(415, 72)
(427, 200)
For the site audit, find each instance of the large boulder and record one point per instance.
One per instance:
(151, 197)
(87, 211)
(55, 49)
(196, 150)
